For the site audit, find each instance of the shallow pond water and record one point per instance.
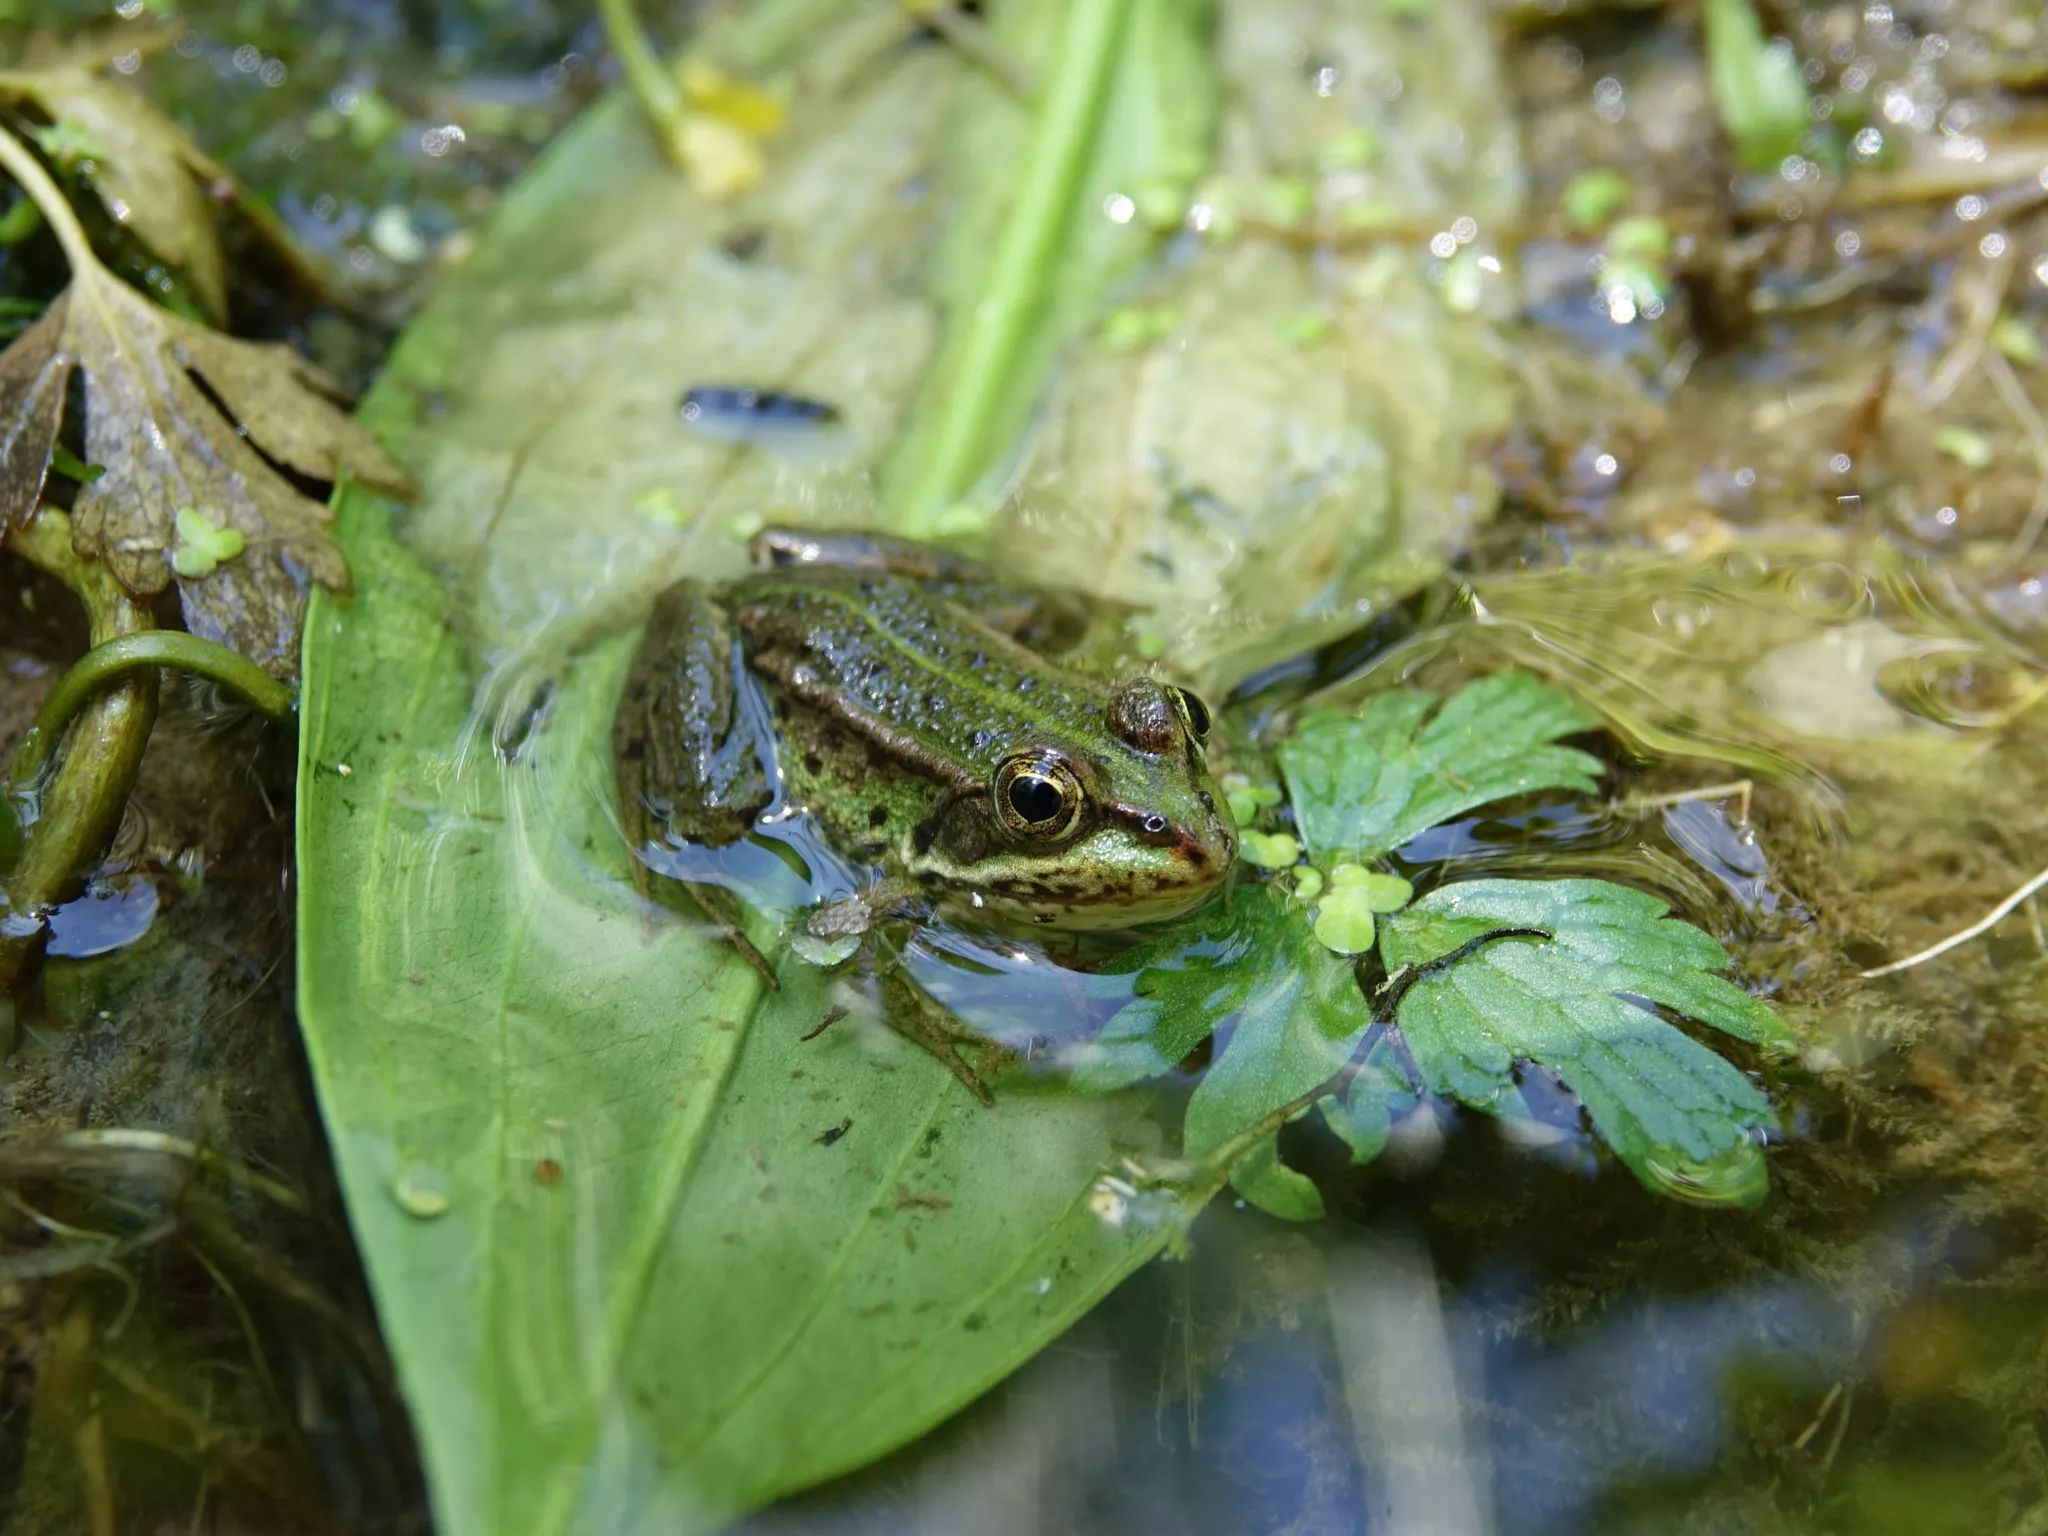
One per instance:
(1773, 507)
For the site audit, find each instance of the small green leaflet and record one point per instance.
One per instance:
(1365, 784)
(1677, 1114)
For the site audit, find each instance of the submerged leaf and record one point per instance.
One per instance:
(151, 177)
(1363, 785)
(1290, 1012)
(1250, 481)
(155, 388)
(1564, 974)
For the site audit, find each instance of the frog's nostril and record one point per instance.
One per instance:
(1155, 824)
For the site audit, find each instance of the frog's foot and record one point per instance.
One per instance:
(914, 1012)
(723, 910)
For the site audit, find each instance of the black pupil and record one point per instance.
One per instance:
(1198, 713)
(1035, 799)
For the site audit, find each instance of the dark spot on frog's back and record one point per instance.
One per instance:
(879, 816)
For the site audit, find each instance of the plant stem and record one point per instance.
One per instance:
(131, 653)
(660, 97)
(30, 176)
(79, 809)
(1983, 924)
(990, 328)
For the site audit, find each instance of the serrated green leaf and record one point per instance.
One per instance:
(1363, 785)
(1627, 935)
(1677, 1114)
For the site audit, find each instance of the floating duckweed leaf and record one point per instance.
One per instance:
(1644, 237)
(1345, 923)
(151, 177)
(1380, 892)
(1268, 850)
(164, 444)
(1363, 785)
(203, 544)
(1563, 973)
(1248, 799)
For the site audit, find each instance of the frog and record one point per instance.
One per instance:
(946, 732)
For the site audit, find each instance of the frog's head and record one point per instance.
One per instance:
(1116, 824)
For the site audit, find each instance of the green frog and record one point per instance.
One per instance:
(919, 711)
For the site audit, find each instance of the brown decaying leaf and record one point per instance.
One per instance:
(164, 444)
(151, 177)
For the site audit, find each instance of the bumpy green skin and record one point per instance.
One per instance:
(896, 702)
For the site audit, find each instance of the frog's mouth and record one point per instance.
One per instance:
(1109, 880)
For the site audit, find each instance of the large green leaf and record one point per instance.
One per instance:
(645, 1257)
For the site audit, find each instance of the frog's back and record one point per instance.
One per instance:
(901, 664)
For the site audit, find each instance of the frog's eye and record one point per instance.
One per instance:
(1193, 713)
(1037, 797)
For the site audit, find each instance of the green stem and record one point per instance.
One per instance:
(101, 665)
(30, 176)
(993, 331)
(79, 808)
(660, 97)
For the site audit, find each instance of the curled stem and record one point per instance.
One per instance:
(103, 664)
(30, 176)
(79, 809)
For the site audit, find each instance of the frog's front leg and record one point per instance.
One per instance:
(914, 1012)
(909, 1009)
(687, 758)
